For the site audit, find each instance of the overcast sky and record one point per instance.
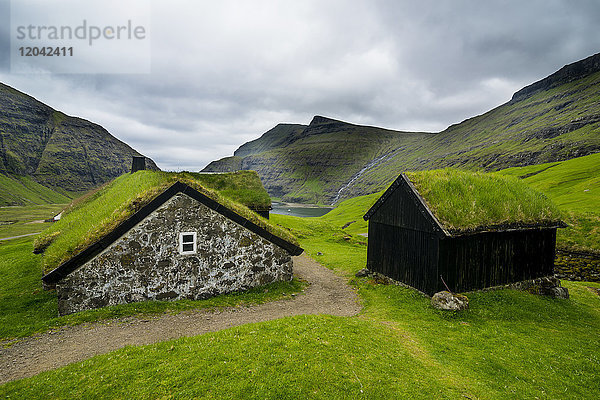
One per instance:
(224, 72)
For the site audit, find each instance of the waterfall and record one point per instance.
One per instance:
(371, 164)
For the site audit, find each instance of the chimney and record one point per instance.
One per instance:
(138, 164)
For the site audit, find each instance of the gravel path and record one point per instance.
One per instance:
(20, 236)
(327, 294)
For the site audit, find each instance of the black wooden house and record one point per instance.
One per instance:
(408, 243)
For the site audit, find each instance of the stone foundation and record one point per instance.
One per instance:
(575, 266)
(145, 264)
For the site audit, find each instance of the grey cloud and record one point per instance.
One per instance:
(225, 72)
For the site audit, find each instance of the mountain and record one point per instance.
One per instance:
(554, 119)
(308, 165)
(63, 153)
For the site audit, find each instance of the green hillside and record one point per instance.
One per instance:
(279, 136)
(309, 167)
(227, 164)
(550, 125)
(555, 119)
(22, 190)
(573, 184)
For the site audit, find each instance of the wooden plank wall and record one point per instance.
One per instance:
(496, 258)
(405, 255)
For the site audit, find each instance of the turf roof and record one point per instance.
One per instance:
(473, 201)
(94, 215)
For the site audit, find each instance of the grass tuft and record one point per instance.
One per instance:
(469, 201)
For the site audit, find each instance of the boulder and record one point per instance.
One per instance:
(548, 286)
(559, 292)
(449, 302)
(362, 273)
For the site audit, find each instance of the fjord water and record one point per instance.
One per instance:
(299, 210)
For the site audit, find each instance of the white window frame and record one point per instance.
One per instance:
(181, 243)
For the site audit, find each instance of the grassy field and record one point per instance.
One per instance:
(573, 184)
(25, 308)
(16, 221)
(508, 345)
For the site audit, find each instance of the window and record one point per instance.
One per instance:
(187, 243)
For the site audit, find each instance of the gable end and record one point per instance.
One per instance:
(402, 191)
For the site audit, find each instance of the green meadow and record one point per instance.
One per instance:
(24, 191)
(507, 345)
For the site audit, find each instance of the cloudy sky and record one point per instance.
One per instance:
(220, 73)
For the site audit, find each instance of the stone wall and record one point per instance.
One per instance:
(145, 263)
(577, 266)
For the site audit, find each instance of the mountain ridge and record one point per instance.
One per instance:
(553, 119)
(566, 74)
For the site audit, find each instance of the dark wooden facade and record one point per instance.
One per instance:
(407, 243)
(262, 211)
(138, 163)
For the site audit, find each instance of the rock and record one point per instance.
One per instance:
(449, 302)
(347, 224)
(362, 273)
(547, 286)
(559, 292)
(549, 282)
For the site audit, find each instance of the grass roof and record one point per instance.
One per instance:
(243, 187)
(97, 213)
(470, 201)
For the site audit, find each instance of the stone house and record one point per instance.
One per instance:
(183, 244)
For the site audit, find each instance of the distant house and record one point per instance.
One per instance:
(464, 230)
(160, 236)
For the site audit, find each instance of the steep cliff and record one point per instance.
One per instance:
(56, 150)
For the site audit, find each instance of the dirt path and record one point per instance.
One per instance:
(20, 236)
(327, 294)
